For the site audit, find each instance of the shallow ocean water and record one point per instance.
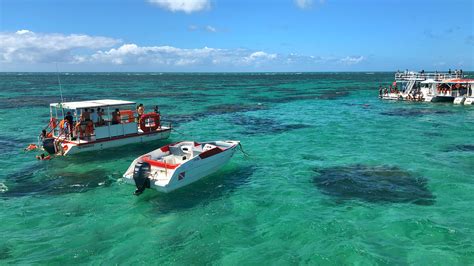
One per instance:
(334, 175)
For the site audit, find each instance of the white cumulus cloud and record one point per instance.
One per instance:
(352, 60)
(210, 28)
(207, 28)
(186, 6)
(193, 28)
(28, 46)
(25, 49)
(129, 54)
(306, 4)
(259, 56)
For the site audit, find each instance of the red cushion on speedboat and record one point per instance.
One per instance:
(161, 164)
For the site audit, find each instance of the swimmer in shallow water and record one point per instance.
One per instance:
(43, 157)
(31, 147)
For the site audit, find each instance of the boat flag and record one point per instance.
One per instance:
(181, 175)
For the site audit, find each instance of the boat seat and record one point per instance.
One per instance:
(187, 149)
(176, 150)
(208, 147)
(181, 150)
(170, 159)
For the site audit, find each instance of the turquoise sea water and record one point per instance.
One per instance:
(334, 175)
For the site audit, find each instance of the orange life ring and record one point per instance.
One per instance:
(153, 122)
(130, 115)
(65, 147)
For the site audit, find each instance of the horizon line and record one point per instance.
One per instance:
(190, 72)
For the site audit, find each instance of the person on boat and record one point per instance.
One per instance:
(78, 130)
(65, 126)
(70, 121)
(116, 119)
(43, 157)
(94, 117)
(380, 91)
(140, 112)
(86, 115)
(44, 135)
(100, 117)
(420, 97)
(89, 129)
(80, 127)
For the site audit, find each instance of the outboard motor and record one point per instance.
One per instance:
(140, 176)
(48, 145)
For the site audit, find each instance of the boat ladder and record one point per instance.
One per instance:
(409, 87)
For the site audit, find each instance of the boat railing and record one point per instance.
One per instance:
(407, 76)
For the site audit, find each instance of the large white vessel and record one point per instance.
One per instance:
(176, 165)
(83, 126)
(449, 90)
(449, 87)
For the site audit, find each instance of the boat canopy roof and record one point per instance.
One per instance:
(463, 81)
(429, 81)
(91, 104)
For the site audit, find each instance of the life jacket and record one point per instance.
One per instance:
(61, 124)
(53, 122)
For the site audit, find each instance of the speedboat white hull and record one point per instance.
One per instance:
(177, 165)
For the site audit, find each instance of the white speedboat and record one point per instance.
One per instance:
(176, 165)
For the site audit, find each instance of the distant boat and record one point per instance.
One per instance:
(455, 90)
(177, 165)
(449, 87)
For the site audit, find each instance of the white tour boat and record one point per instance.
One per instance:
(449, 90)
(176, 165)
(464, 90)
(98, 124)
(424, 86)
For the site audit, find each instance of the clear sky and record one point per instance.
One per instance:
(231, 35)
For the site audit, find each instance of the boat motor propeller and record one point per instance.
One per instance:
(140, 176)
